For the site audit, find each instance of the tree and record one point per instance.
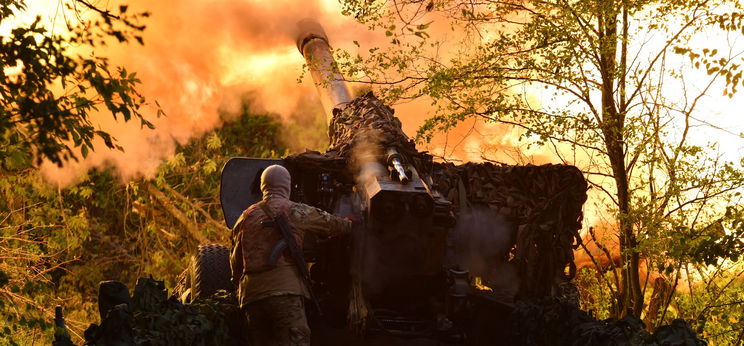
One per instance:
(50, 85)
(48, 93)
(619, 105)
(57, 244)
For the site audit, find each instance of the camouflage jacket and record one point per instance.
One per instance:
(252, 244)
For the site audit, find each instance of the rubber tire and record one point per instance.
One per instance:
(210, 271)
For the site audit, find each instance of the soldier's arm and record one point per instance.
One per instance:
(314, 220)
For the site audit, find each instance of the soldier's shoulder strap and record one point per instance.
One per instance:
(282, 223)
(238, 223)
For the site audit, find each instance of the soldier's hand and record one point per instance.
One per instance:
(355, 221)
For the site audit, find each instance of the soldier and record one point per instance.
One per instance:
(271, 296)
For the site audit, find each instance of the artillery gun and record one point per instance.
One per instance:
(438, 245)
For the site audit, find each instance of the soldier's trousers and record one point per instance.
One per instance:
(278, 321)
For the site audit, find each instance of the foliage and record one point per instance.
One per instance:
(715, 305)
(595, 299)
(549, 321)
(153, 319)
(52, 84)
(609, 86)
(57, 244)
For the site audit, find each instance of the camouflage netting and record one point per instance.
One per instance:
(365, 122)
(366, 118)
(149, 317)
(547, 321)
(543, 201)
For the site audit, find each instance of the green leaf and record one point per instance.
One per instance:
(214, 142)
(209, 167)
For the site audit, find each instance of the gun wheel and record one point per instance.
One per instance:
(210, 271)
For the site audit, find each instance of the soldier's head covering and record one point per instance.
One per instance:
(275, 182)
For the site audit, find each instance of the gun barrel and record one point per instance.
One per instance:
(313, 44)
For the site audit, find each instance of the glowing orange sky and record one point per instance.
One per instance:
(201, 57)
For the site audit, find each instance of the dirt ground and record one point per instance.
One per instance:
(488, 326)
(335, 337)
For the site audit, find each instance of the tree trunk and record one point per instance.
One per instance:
(613, 123)
(660, 296)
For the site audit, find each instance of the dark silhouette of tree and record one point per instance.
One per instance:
(48, 93)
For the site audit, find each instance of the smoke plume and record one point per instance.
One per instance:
(483, 238)
(199, 60)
